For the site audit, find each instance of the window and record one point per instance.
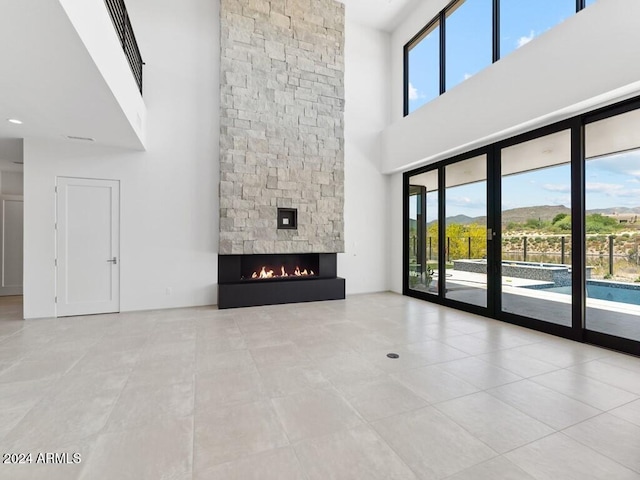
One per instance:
(521, 22)
(468, 40)
(468, 36)
(423, 58)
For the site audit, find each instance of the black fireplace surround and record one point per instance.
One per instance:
(252, 280)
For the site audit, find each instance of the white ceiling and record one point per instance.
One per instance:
(380, 14)
(50, 82)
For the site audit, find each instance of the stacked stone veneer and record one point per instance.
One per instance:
(281, 134)
(559, 275)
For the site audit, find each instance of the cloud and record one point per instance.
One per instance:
(635, 194)
(467, 76)
(623, 163)
(413, 92)
(553, 187)
(465, 202)
(606, 188)
(526, 39)
(460, 201)
(564, 200)
(613, 190)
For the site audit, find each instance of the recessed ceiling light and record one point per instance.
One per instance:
(14, 120)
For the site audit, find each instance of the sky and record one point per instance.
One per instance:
(611, 181)
(469, 49)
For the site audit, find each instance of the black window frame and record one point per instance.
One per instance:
(415, 40)
(441, 20)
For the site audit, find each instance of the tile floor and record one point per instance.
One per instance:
(307, 392)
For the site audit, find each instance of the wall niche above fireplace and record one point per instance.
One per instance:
(251, 280)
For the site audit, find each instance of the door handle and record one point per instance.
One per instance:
(114, 260)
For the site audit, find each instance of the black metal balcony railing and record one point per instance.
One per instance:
(120, 17)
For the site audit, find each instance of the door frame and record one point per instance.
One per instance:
(440, 298)
(115, 236)
(11, 289)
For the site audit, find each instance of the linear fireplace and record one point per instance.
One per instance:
(271, 267)
(251, 280)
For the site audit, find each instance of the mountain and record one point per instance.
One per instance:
(544, 213)
(464, 219)
(615, 210)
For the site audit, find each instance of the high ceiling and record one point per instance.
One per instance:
(50, 82)
(381, 14)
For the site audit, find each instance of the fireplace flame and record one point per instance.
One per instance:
(264, 273)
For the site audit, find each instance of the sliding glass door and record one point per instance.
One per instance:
(612, 225)
(465, 236)
(542, 230)
(536, 228)
(423, 233)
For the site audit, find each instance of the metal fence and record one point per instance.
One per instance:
(120, 18)
(608, 261)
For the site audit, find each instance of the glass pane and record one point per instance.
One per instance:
(612, 221)
(466, 231)
(423, 232)
(522, 20)
(469, 40)
(536, 228)
(424, 69)
(589, 2)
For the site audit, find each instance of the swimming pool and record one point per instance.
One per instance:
(602, 290)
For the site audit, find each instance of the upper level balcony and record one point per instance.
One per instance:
(67, 72)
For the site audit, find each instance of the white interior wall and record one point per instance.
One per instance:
(95, 28)
(576, 66)
(366, 190)
(169, 199)
(11, 183)
(396, 242)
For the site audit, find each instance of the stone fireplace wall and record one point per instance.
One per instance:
(281, 133)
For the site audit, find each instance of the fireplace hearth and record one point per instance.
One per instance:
(252, 280)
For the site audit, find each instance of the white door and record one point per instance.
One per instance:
(11, 225)
(88, 246)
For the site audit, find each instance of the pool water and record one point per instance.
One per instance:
(614, 293)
